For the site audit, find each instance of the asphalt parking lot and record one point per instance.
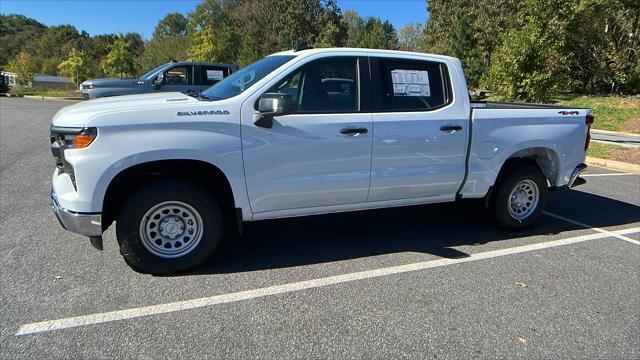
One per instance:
(426, 281)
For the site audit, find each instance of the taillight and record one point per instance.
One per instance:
(589, 121)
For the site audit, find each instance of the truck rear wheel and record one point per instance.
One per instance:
(169, 227)
(521, 197)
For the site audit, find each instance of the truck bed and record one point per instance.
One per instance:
(553, 135)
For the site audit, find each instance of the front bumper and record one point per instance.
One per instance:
(84, 224)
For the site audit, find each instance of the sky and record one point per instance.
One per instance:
(141, 16)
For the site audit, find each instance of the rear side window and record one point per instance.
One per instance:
(210, 75)
(411, 85)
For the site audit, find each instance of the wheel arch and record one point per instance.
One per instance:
(202, 173)
(546, 159)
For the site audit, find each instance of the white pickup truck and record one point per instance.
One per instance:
(300, 133)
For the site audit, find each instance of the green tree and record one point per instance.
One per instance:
(531, 65)
(333, 31)
(170, 41)
(53, 46)
(215, 35)
(410, 37)
(120, 61)
(24, 66)
(378, 35)
(354, 25)
(15, 32)
(249, 50)
(464, 45)
(202, 47)
(74, 67)
(171, 26)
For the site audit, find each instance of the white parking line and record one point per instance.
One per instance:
(99, 318)
(614, 234)
(611, 174)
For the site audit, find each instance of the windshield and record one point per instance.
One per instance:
(152, 71)
(243, 79)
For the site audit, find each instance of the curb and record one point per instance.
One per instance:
(620, 133)
(614, 165)
(51, 98)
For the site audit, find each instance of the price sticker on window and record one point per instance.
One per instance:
(216, 75)
(410, 83)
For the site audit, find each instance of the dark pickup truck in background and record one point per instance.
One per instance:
(185, 77)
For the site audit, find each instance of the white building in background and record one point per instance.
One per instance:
(40, 81)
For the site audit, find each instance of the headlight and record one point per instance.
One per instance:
(81, 139)
(88, 86)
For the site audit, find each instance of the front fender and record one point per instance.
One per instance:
(118, 148)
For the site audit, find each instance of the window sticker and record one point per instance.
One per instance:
(215, 75)
(410, 83)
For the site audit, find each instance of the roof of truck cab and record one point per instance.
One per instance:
(399, 53)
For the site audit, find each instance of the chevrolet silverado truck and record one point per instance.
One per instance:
(185, 77)
(301, 133)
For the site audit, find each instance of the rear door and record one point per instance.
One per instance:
(321, 154)
(420, 131)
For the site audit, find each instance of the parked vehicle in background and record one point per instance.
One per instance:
(185, 77)
(301, 133)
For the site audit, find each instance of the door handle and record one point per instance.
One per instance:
(353, 131)
(450, 128)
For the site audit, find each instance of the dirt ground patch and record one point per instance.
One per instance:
(632, 126)
(626, 155)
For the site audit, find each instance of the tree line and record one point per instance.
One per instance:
(528, 50)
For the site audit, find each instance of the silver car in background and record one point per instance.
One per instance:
(186, 77)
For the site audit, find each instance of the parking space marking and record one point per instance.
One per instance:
(611, 174)
(118, 315)
(615, 234)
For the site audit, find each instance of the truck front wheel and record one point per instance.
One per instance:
(521, 197)
(169, 227)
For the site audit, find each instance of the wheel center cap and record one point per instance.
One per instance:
(519, 198)
(171, 227)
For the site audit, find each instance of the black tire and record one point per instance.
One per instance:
(500, 203)
(128, 225)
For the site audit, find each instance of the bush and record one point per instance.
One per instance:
(530, 64)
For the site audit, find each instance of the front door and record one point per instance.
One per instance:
(321, 154)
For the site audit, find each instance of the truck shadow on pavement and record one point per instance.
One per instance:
(432, 229)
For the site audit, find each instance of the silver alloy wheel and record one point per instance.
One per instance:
(171, 229)
(523, 199)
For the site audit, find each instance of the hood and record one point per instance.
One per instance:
(79, 114)
(112, 82)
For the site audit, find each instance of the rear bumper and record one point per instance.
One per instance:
(574, 180)
(80, 223)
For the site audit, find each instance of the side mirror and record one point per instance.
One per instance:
(273, 104)
(159, 81)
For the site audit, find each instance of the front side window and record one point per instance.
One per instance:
(153, 71)
(179, 75)
(323, 86)
(413, 85)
